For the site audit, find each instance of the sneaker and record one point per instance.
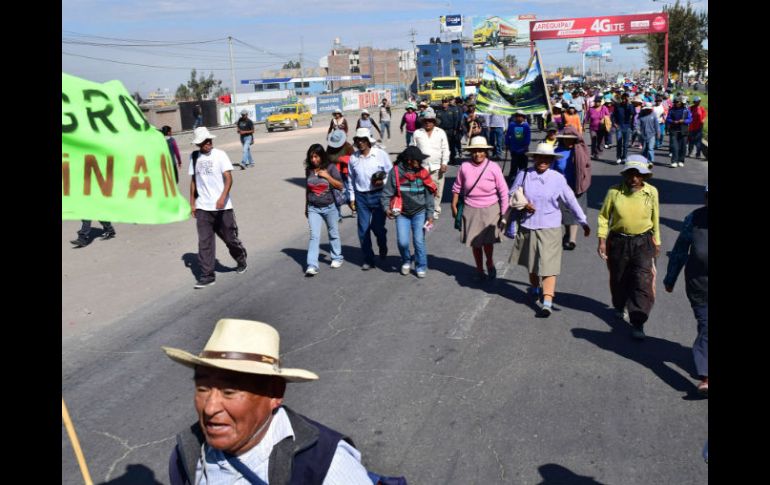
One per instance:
(703, 387)
(311, 271)
(336, 263)
(421, 274)
(606, 147)
(241, 268)
(673, 165)
(545, 311)
(80, 242)
(108, 235)
(405, 268)
(436, 215)
(204, 283)
(621, 314)
(618, 161)
(638, 333)
(681, 164)
(366, 267)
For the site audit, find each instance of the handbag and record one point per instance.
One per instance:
(607, 123)
(396, 201)
(461, 201)
(515, 211)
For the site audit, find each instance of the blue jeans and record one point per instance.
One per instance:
(315, 215)
(695, 141)
(659, 141)
(649, 149)
(198, 122)
(246, 159)
(624, 135)
(700, 348)
(412, 225)
(409, 136)
(496, 133)
(371, 216)
(385, 125)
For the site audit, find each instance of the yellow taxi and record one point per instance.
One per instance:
(289, 117)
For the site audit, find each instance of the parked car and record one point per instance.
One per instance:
(289, 117)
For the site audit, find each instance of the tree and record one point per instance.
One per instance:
(687, 29)
(197, 89)
(291, 65)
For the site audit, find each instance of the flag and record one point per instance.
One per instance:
(115, 166)
(499, 94)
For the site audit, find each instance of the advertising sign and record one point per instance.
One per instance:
(451, 23)
(651, 23)
(263, 110)
(589, 43)
(327, 104)
(573, 46)
(601, 50)
(633, 39)
(494, 32)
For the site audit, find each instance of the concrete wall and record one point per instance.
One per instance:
(166, 115)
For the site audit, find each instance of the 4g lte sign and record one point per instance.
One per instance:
(653, 23)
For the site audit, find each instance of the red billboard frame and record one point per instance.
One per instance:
(570, 28)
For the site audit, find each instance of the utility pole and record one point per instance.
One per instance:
(413, 32)
(301, 73)
(232, 75)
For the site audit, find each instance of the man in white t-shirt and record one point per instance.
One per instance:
(212, 208)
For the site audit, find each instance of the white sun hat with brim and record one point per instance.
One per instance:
(201, 134)
(336, 138)
(544, 149)
(244, 346)
(638, 163)
(364, 133)
(478, 143)
(336, 111)
(364, 111)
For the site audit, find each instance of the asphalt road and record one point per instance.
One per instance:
(441, 380)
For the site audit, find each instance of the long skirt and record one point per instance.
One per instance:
(538, 250)
(480, 225)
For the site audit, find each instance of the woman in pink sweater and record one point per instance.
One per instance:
(485, 192)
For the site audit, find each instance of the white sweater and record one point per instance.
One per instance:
(436, 146)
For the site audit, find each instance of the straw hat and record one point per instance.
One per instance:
(545, 149)
(201, 134)
(243, 346)
(478, 143)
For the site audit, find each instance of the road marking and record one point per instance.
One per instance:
(468, 318)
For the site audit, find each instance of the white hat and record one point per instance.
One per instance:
(428, 114)
(336, 138)
(478, 142)
(364, 133)
(242, 346)
(364, 111)
(201, 134)
(337, 110)
(544, 149)
(638, 163)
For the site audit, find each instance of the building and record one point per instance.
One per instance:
(385, 66)
(308, 82)
(443, 59)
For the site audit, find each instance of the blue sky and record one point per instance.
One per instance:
(269, 32)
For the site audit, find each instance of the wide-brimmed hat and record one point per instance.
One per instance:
(545, 149)
(638, 163)
(478, 143)
(567, 137)
(365, 112)
(364, 133)
(337, 111)
(244, 112)
(201, 134)
(243, 346)
(428, 114)
(410, 106)
(413, 153)
(336, 138)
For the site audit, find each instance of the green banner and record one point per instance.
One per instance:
(115, 166)
(499, 94)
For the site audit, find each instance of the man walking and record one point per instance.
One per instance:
(84, 234)
(385, 118)
(622, 120)
(518, 138)
(678, 120)
(212, 179)
(432, 141)
(246, 130)
(368, 168)
(497, 125)
(698, 114)
(446, 119)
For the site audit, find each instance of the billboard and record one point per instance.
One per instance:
(651, 23)
(589, 43)
(633, 39)
(451, 23)
(495, 32)
(600, 50)
(573, 46)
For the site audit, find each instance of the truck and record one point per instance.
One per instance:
(440, 87)
(493, 31)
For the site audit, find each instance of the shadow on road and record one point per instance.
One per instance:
(558, 475)
(134, 475)
(298, 181)
(191, 261)
(653, 353)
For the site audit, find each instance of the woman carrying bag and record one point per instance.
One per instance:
(538, 242)
(408, 198)
(485, 200)
(321, 178)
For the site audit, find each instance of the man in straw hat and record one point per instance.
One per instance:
(212, 208)
(629, 241)
(432, 141)
(244, 433)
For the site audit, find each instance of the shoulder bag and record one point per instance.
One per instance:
(396, 201)
(461, 201)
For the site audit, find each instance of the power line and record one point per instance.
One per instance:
(161, 67)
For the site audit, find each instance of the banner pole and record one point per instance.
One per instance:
(65, 415)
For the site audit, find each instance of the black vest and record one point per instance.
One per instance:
(303, 460)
